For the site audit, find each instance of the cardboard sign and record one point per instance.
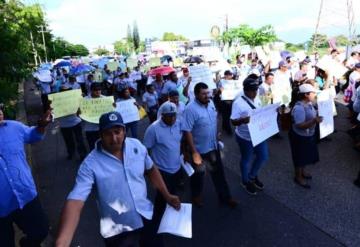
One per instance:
(112, 66)
(154, 62)
(263, 123)
(201, 73)
(231, 89)
(325, 107)
(128, 110)
(92, 109)
(65, 103)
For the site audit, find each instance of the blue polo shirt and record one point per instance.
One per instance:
(16, 182)
(168, 87)
(120, 187)
(164, 143)
(201, 121)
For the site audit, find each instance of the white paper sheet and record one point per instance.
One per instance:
(178, 223)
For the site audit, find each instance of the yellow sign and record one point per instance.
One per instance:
(92, 109)
(112, 66)
(154, 62)
(98, 75)
(178, 62)
(65, 103)
(131, 63)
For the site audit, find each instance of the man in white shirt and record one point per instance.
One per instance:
(240, 117)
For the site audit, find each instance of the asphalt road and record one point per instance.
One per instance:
(283, 215)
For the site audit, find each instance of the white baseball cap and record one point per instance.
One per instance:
(307, 88)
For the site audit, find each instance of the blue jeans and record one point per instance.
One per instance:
(247, 150)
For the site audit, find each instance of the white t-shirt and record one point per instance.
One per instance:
(240, 109)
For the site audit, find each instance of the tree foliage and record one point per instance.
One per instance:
(101, 51)
(249, 36)
(169, 36)
(136, 37)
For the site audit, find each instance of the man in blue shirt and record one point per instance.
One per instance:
(19, 202)
(199, 123)
(163, 140)
(116, 166)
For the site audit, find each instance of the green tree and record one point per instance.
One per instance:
(136, 37)
(129, 36)
(123, 47)
(342, 40)
(294, 47)
(101, 51)
(318, 41)
(78, 50)
(170, 36)
(250, 36)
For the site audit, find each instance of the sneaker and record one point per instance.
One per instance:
(250, 188)
(258, 184)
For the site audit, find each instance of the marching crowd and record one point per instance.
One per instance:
(183, 128)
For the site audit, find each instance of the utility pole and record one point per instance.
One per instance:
(34, 50)
(351, 27)
(315, 41)
(226, 22)
(42, 31)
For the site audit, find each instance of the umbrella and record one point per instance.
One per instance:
(166, 58)
(43, 75)
(45, 66)
(81, 69)
(161, 70)
(101, 62)
(285, 54)
(62, 63)
(194, 59)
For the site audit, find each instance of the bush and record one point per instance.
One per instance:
(8, 97)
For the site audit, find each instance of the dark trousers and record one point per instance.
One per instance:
(133, 128)
(72, 135)
(216, 170)
(45, 102)
(92, 137)
(126, 239)
(225, 106)
(150, 236)
(32, 222)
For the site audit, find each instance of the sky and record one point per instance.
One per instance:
(95, 22)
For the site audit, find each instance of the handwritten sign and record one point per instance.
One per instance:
(131, 63)
(128, 110)
(231, 89)
(92, 109)
(201, 73)
(325, 108)
(263, 123)
(112, 66)
(154, 62)
(65, 103)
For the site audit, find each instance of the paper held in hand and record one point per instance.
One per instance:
(92, 109)
(325, 107)
(128, 110)
(178, 223)
(201, 73)
(263, 123)
(65, 103)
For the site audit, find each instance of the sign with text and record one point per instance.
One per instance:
(154, 62)
(325, 108)
(263, 123)
(128, 110)
(231, 89)
(131, 63)
(201, 73)
(92, 108)
(65, 103)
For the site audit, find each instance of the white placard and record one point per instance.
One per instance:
(201, 73)
(231, 89)
(263, 123)
(175, 222)
(325, 107)
(128, 110)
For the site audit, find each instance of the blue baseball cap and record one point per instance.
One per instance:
(168, 108)
(110, 119)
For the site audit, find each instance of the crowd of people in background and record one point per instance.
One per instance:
(183, 127)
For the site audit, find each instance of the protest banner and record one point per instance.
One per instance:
(154, 62)
(128, 110)
(261, 54)
(131, 63)
(178, 62)
(231, 89)
(112, 66)
(325, 107)
(201, 73)
(98, 75)
(263, 123)
(275, 58)
(65, 103)
(92, 108)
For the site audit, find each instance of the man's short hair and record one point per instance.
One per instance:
(200, 86)
(268, 74)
